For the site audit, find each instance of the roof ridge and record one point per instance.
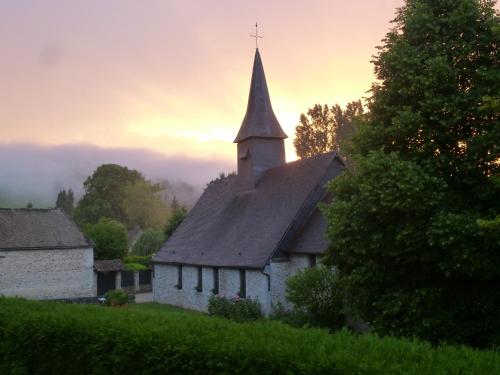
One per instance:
(28, 209)
(333, 154)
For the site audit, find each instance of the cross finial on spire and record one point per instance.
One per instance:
(256, 36)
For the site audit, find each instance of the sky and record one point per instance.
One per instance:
(171, 77)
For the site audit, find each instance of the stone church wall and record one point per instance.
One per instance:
(280, 271)
(165, 290)
(47, 274)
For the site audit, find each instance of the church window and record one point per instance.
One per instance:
(243, 284)
(179, 277)
(312, 260)
(215, 290)
(199, 286)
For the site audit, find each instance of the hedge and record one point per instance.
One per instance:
(55, 338)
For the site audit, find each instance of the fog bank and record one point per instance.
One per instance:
(35, 173)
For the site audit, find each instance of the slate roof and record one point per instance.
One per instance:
(227, 228)
(312, 238)
(25, 229)
(108, 265)
(260, 120)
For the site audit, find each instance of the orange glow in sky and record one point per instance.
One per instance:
(173, 76)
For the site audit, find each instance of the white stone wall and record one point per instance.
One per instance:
(165, 281)
(47, 274)
(280, 271)
(257, 284)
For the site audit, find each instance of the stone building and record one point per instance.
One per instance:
(43, 255)
(248, 233)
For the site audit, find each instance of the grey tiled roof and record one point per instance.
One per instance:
(108, 265)
(312, 238)
(227, 228)
(39, 229)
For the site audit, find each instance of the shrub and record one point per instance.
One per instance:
(149, 242)
(144, 260)
(56, 338)
(116, 297)
(237, 309)
(293, 317)
(316, 297)
(134, 267)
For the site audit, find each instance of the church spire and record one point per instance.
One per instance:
(259, 121)
(260, 140)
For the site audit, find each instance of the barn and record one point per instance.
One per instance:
(44, 255)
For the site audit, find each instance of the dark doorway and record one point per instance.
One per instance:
(127, 278)
(105, 282)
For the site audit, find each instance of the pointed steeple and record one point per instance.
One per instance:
(259, 121)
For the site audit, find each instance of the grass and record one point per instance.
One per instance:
(161, 308)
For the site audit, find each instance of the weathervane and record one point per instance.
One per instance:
(256, 36)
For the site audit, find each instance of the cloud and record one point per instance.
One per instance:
(31, 172)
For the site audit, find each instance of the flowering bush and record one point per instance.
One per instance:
(235, 308)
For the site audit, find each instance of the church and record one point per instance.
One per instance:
(249, 232)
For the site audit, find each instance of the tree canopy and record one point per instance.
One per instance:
(110, 238)
(104, 194)
(149, 242)
(326, 129)
(119, 193)
(414, 226)
(143, 206)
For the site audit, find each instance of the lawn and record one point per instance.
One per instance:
(161, 308)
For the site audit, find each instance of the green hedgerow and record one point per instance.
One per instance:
(56, 338)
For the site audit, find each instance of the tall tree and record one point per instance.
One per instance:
(325, 128)
(105, 192)
(150, 241)
(144, 207)
(66, 201)
(178, 214)
(414, 226)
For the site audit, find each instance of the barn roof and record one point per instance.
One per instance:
(227, 228)
(108, 265)
(27, 228)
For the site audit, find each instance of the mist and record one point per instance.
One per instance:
(35, 173)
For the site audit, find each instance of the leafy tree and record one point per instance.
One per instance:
(105, 192)
(315, 295)
(410, 225)
(143, 206)
(110, 238)
(326, 129)
(149, 242)
(29, 205)
(66, 201)
(178, 214)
